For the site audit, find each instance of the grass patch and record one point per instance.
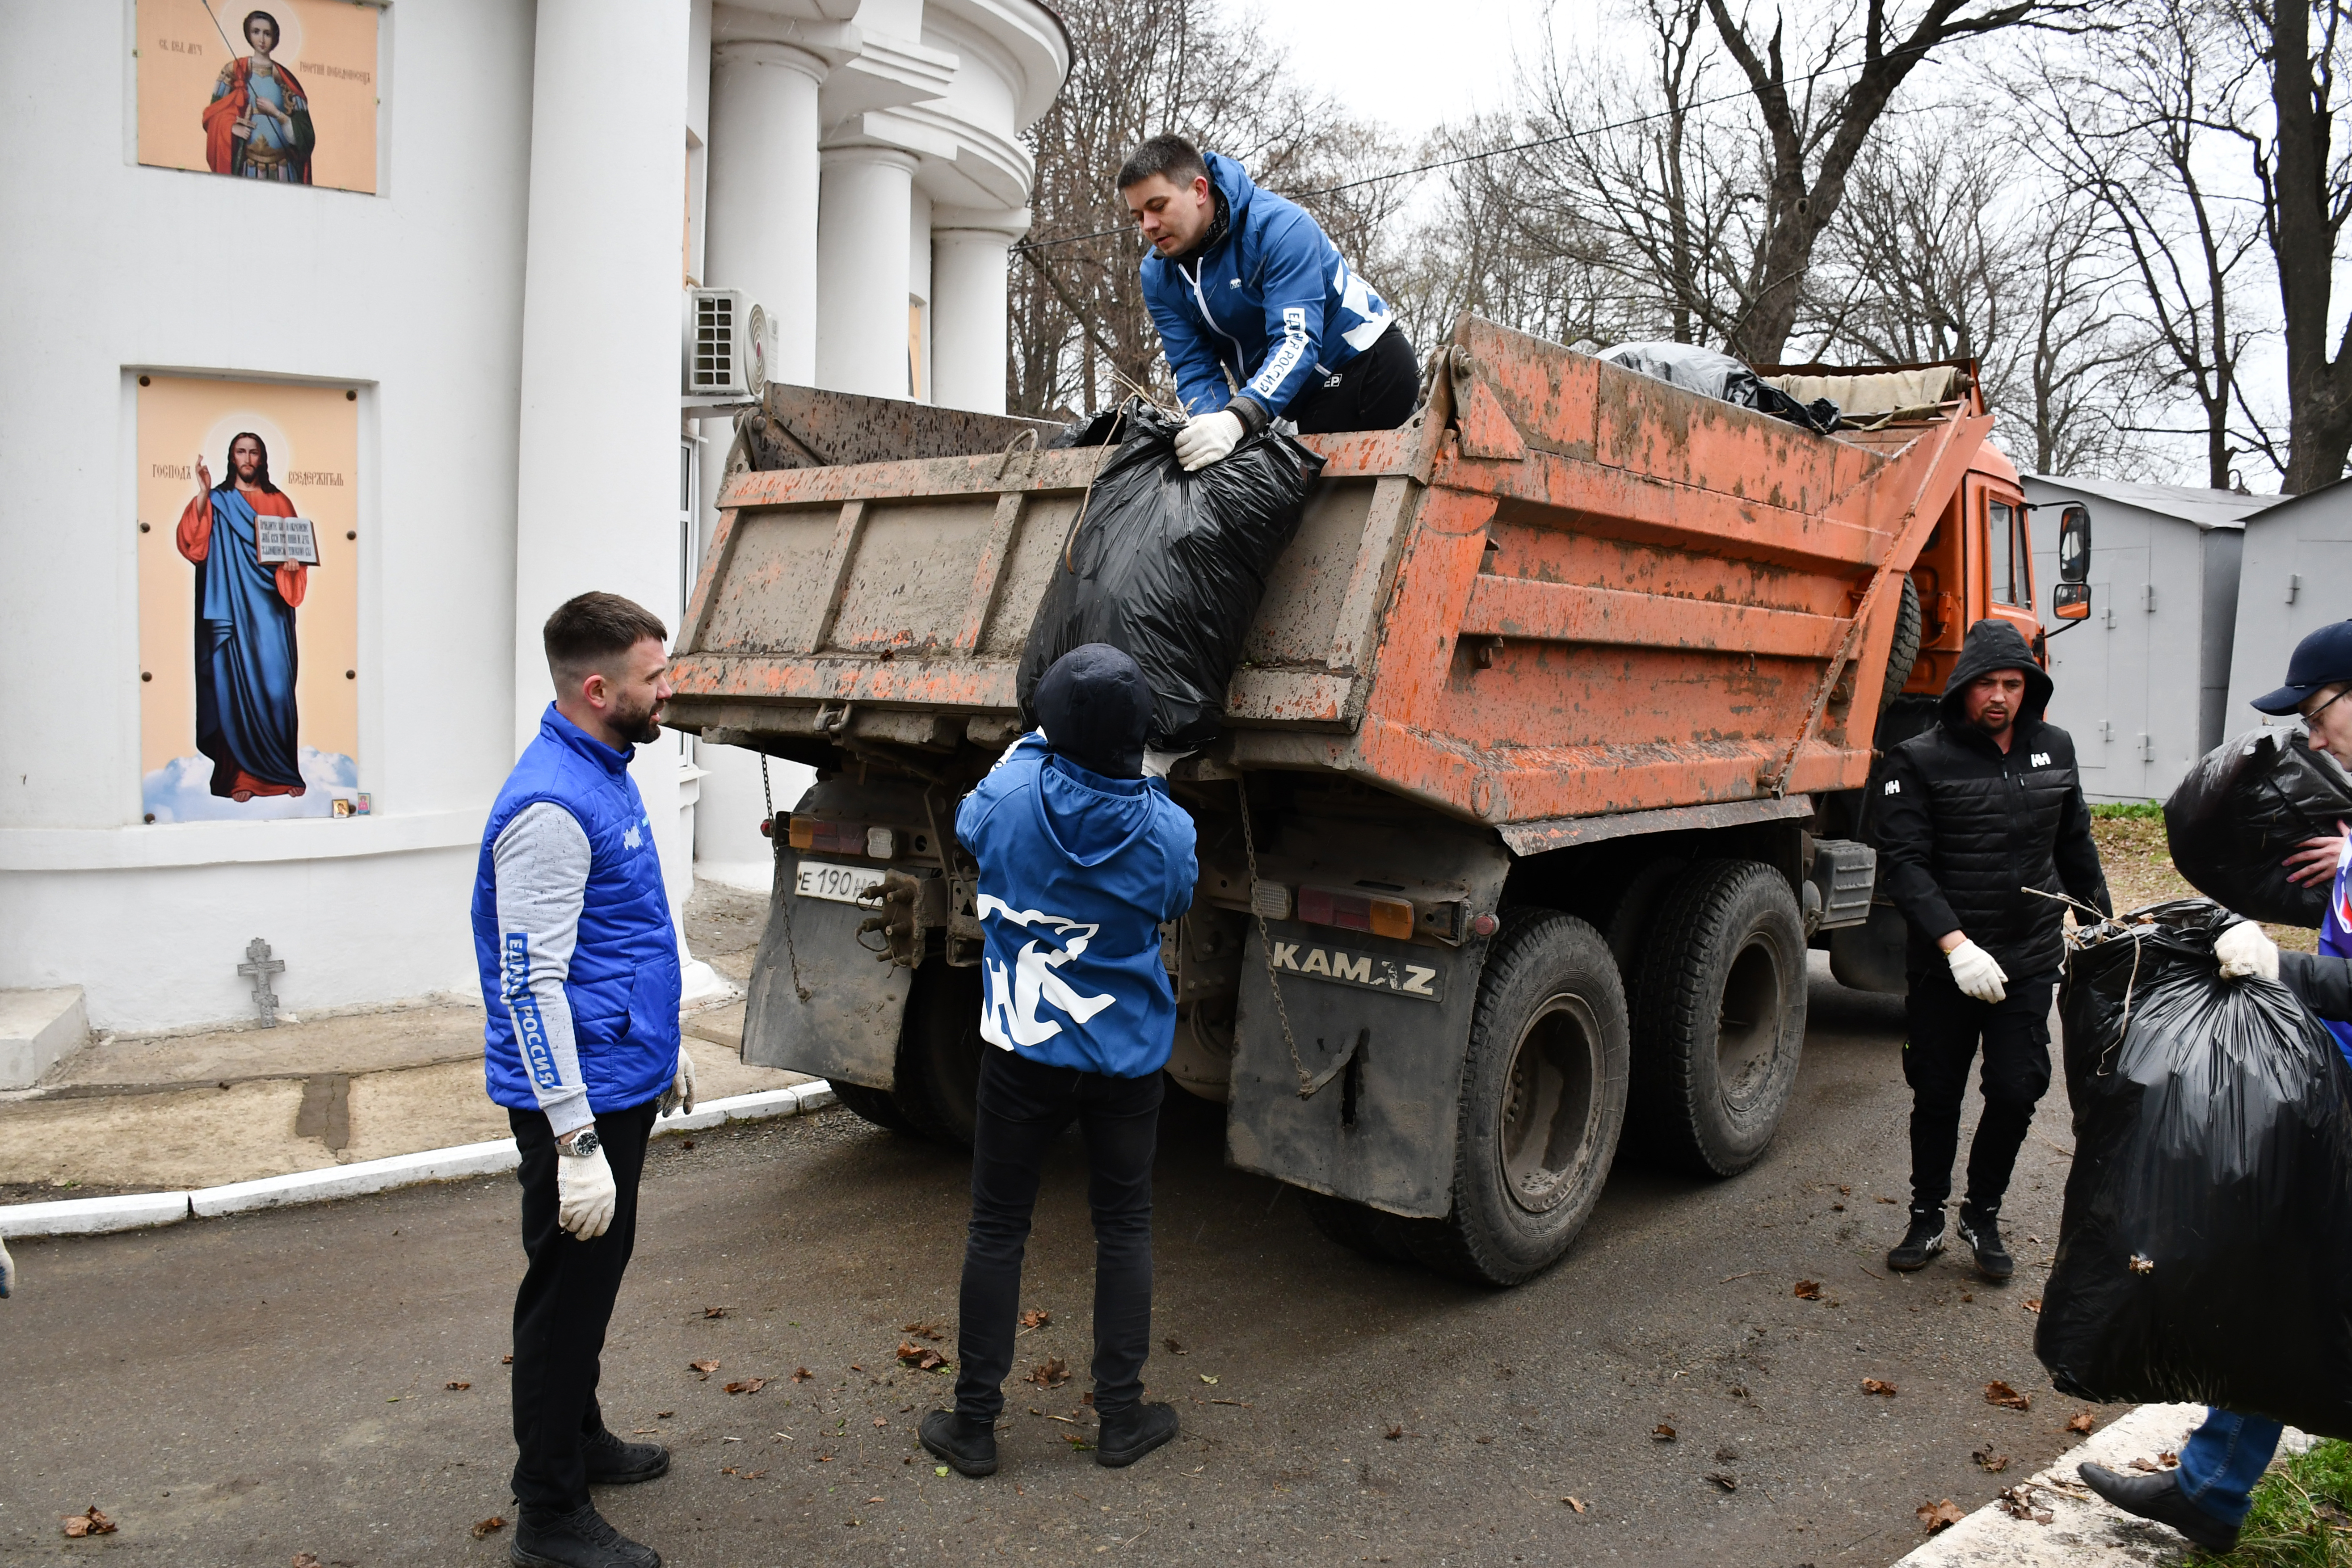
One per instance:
(2149, 809)
(2302, 1516)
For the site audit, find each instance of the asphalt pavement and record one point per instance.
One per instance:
(328, 1380)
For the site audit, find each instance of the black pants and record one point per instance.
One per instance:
(564, 1304)
(1023, 1106)
(1374, 391)
(1946, 1028)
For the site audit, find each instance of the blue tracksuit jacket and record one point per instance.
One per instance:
(1077, 872)
(1272, 304)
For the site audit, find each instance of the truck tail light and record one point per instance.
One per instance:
(1356, 911)
(828, 837)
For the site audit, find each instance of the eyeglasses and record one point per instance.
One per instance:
(2324, 707)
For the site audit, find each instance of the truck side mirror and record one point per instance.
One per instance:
(2071, 601)
(2075, 553)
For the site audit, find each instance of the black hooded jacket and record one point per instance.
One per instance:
(1962, 828)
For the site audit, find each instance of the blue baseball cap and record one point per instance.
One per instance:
(2323, 658)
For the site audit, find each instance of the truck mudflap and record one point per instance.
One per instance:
(820, 1001)
(1380, 1027)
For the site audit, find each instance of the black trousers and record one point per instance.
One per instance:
(1023, 1108)
(1946, 1028)
(1374, 391)
(563, 1306)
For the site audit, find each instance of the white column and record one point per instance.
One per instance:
(967, 308)
(597, 493)
(919, 290)
(863, 210)
(763, 219)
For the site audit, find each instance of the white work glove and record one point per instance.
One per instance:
(585, 1195)
(1978, 973)
(680, 1092)
(1208, 438)
(2243, 950)
(7, 1273)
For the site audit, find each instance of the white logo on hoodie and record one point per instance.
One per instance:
(1008, 1016)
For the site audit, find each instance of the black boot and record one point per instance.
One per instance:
(580, 1539)
(2158, 1497)
(613, 1463)
(969, 1446)
(1128, 1435)
(1920, 1243)
(1981, 1232)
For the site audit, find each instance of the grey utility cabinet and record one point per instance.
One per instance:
(2143, 685)
(2295, 578)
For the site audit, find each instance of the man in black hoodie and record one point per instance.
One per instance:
(1974, 821)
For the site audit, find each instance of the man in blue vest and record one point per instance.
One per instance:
(579, 976)
(1260, 315)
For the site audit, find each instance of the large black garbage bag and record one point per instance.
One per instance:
(2248, 805)
(2206, 1252)
(1170, 567)
(1721, 378)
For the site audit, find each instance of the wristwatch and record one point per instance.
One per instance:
(585, 1144)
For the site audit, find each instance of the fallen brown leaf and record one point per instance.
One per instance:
(1035, 1318)
(2081, 1423)
(1661, 1433)
(1729, 1483)
(714, 1312)
(881, 1421)
(664, 1414)
(1990, 1463)
(854, 1367)
(307, 1560)
(91, 1522)
(801, 1375)
(1873, 1385)
(485, 1529)
(1936, 1516)
(1393, 1433)
(2168, 1459)
(505, 1361)
(927, 1331)
(2017, 1501)
(1051, 1372)
(1884, 1199)
(457, 1387)
(1809, 1290)
(702, 1369)
(1486, 1440)
(2008, 1398)
(2033, 1303)
(748, 1386)
(1573, 1503)
(921, 1358)
(1176, 1349)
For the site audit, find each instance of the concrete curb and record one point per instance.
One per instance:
(96, 1216)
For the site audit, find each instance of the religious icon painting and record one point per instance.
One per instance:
(284, 91)
(248, 600)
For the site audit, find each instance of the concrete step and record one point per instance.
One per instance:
(37, 1028)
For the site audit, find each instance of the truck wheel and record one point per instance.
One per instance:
(939, 1053)
(1360, 1228)
(1720, 1017)
(876, 1105)
(1910, 625)
(1543, 1099)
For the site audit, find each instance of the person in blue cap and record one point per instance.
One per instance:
(1081, 861)
(2207, 1498)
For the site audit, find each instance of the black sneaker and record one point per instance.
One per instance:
(613, 1463)
(2158, 1497)
(969, 1446)
(1981, 1232)
(1128, 1434)
(1920, 1243)
(580, 1539)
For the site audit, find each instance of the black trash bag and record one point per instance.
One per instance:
(1170, 567)
(2243, 809)
(2206, 1251)
(1090, 430)
(1723, 378)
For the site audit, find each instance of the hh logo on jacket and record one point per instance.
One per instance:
(1008, 1016)
(2039, 760)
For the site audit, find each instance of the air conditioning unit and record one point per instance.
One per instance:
(726, 345)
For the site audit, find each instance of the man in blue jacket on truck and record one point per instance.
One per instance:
(1259, 314)
(1081, 859)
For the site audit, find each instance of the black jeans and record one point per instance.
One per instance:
(1946, 1027)
(1023, 1106)
(564, 1304)
(1374, 391)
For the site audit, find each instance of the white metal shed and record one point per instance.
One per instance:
(2296, 577)
(2143, 685)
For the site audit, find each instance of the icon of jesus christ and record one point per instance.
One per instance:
(246, 663)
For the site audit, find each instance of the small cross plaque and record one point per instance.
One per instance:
(262, 966)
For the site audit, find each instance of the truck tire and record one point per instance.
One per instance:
(937, 1089)
(1910, 625)
(1719, 1022)
(878, 1106)
(1360, 1228)
(1542, 1102)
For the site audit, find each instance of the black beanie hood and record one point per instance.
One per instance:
(1093, 705)
(1994, 644)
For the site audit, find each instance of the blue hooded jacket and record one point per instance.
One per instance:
(1077, 872)
(1272, 304)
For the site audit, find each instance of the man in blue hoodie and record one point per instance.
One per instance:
(1081, 859)
(1260, 315)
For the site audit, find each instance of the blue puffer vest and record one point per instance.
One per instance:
(624, 983)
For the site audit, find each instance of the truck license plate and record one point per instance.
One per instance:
(1398, 976)
(842, 884)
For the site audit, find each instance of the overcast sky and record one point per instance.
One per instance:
(1413, 65)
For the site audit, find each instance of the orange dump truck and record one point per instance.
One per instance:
(1542, 767)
